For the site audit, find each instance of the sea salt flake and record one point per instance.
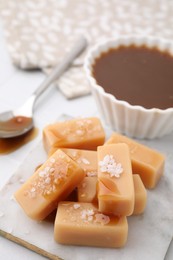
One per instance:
(87, 214)
(76, 206)
(47, 169)
(52, 160)
(47, 180)
(33, 189)
(42, 174)
(52, 170)
(102, 219)
(85, 161)
(91, 174)
(109, 165)
(79, 132)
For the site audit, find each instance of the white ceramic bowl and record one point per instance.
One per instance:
(134, 121)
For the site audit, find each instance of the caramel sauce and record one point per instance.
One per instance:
(9, 145)
(16, 123)
(139, 75)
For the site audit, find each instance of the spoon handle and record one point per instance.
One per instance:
(77, 49)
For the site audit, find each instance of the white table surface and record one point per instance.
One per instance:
(15, 87)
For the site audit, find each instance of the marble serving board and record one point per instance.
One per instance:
(149, 234)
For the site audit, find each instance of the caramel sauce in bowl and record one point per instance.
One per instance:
(131, 79)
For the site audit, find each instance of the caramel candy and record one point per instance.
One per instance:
(82, 224)
(86, 159)
(140, 195)
(146, 162)
(115, 180)
(87, 191)
(84, 133)
(51, 183)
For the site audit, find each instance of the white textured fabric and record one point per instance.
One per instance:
(39, 33)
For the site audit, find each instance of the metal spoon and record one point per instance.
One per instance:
(19, 121)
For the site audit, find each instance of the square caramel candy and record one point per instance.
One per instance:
(82, 224)
(86, 159)
(51, 182)
(140, 195)
(115, 180)
(87, 190)
(146, 162)
(83, 133)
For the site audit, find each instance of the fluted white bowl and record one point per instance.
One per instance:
(132, 120)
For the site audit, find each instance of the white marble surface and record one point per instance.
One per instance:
(15, 87)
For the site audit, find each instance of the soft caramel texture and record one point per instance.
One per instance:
(51, 183)
(140, 195)
(87, 190)
(84, 133)
(82, 224)
(86, 159)
(146, 162)
(115, 194)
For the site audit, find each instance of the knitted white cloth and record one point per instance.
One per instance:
(39, 33)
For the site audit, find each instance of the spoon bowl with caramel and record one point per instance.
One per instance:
(131, 79)
(20, 121)
(14, 125)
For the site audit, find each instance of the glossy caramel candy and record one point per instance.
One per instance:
(140, 195)
(115, 180)
(86, 159)
(87, 190)
(146, 162)
(51, 183)
(83, 133)
(82, 224)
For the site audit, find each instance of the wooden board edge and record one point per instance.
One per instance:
(28, 245)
